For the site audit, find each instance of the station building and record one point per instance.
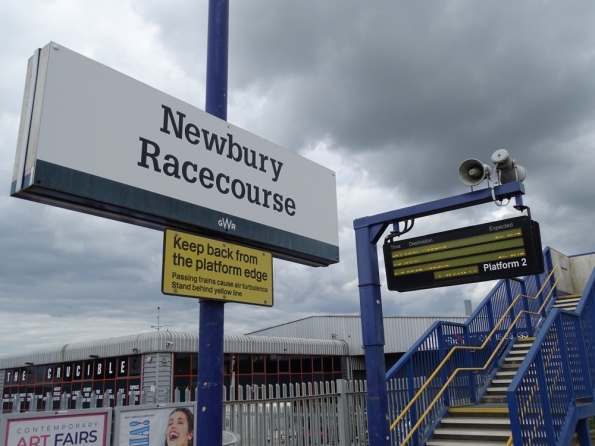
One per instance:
(314, 349)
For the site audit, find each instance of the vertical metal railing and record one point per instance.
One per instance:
(298, 414)
(557, 371)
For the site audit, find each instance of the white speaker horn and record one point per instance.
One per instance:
(472, 172)
(516, 173)
(507, 168)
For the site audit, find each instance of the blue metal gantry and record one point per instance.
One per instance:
(552, 394)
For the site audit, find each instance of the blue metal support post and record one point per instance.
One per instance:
(583, 432)
(368, 231)
(373, 337)
(209, 405)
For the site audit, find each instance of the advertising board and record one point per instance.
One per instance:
(58, 428)
(497, 250)
(95, 140)
(155, 425)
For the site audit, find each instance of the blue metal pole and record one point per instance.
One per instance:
(217, 56)
(209, 405)
(209, 398)
(373, 337)
(583, 432)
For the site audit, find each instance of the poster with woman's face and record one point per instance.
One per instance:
(171, 425)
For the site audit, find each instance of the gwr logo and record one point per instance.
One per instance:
(227, 224)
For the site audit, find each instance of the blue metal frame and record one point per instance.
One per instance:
(368, 231)
(209, 396)
(555, 376)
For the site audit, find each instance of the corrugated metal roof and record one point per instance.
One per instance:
(173, 341)
(400, 333)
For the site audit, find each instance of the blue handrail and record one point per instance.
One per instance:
(557, 374)
(410, 373)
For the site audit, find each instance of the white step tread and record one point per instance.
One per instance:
(478, 420)
(492, 433)
(438, 442)
(502, 373)
(496, 389)
(501, 381)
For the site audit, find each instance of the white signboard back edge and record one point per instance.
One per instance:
(115, 200)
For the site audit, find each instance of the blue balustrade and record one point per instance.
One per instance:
(553, 388)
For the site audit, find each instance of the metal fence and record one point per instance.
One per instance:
(307, 414)
(558, 371)
(300, 414)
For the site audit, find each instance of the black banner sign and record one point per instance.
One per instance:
(502, 249)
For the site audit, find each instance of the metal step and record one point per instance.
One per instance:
(502, 382)
(498, 390)
(505, 374)
(494, 399)
(486, 422)
(464, 443)
(566, 302)
(507, 366)
(563, 301)
(472, 434)
(480, 410)
(520, 348)
(569, 296)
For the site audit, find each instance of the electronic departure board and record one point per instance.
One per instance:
(506, 248)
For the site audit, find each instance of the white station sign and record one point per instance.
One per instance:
(95, 140)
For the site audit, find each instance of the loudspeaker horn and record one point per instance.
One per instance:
(472, 172)
(508, 168)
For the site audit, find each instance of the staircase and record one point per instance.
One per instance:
(496, 392)
(488, 423)
(480, 425)
(540, 390)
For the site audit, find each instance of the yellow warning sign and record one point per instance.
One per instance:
(200, 267)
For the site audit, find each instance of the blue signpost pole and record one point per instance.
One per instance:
(368, 231)
(209, 406)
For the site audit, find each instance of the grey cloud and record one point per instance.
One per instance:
(400, 91)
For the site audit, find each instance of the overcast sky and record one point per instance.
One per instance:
(391, 95)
